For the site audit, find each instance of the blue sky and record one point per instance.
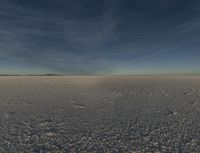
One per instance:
(100, 37)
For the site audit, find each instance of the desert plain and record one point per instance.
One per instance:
(100, 114)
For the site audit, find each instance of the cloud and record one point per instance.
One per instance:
(93, 36)
(33, 36)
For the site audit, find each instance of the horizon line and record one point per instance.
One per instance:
(52, 74)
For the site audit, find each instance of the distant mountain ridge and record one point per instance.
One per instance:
(46, 74)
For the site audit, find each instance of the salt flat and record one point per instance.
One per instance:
(100, 114)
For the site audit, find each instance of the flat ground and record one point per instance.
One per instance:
(100, 114)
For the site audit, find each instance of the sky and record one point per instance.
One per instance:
(100, 37)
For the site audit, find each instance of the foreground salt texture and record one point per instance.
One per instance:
(100, 114)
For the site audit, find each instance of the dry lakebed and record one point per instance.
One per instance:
(100, 114)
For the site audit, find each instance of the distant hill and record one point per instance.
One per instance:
(46, 74)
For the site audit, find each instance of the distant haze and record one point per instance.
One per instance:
(100, 37)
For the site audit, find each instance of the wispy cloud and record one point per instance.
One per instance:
(33, 36)
(94, 36)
